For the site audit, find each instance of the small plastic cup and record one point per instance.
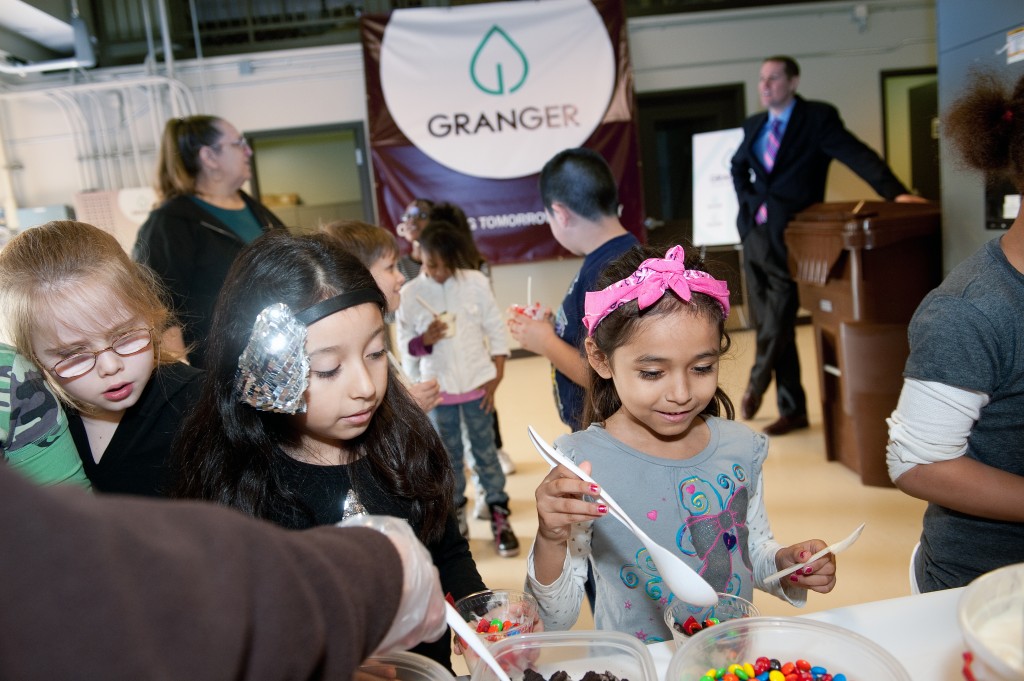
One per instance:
(533, 311)
(449, 319)
(505, 613)
(685, 619)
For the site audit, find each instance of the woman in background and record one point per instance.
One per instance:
(204, 220)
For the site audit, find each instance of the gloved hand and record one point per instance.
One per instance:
(421, 610)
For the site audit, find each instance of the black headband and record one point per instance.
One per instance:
(315, 313)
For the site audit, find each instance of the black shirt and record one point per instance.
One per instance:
(322, 491)
(137, 459)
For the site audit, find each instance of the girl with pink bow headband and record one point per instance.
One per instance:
(648, 284)
(658, 444)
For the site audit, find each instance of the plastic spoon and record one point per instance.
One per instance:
(427, 305)
(471, 638)
(834, 549)
(681, 579)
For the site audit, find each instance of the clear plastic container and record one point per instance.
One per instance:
(514, 611)
(991, 617)
(786, 639)
(684, 614)
(574, 652)
(405, 666)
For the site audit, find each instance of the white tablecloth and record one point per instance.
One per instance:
(920, 631)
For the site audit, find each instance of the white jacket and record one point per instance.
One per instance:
(461, 363)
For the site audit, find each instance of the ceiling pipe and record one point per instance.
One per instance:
(85, 57)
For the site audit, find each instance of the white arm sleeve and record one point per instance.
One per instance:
(763, 548)
(931, 423)
(560, 601)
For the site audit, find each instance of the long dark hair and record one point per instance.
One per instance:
(226, 449)
(615, 330)
(449, 244)
(453, 213)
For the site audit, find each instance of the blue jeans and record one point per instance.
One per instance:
(448, 420)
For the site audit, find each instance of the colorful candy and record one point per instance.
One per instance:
(765, 669)
(691, 626)
(493, 629)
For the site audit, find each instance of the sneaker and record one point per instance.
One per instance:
(463, 524)
(481, 511)
(508, 467)
(505, 541)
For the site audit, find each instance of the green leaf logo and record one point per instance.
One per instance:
(496, 57)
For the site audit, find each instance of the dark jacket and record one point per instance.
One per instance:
(814, 136)
(191, 251)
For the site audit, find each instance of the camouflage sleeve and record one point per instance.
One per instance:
(34, 435)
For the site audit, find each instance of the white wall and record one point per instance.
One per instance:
(840, 63)
(970, 36)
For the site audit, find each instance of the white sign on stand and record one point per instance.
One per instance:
(714, 197)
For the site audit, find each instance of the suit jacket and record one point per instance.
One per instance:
(813, 137)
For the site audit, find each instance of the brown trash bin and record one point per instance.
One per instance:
(862, 268)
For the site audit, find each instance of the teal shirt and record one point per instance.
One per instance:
(242, 221)
(34, 435)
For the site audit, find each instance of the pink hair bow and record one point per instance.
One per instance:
(649, 283)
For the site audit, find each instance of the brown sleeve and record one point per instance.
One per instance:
(125, 588)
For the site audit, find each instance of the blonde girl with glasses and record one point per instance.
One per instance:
(78, 307)
(203, 221)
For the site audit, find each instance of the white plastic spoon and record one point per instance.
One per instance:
(834, 549)
(681, 579)
(427, 305)
(474, 641)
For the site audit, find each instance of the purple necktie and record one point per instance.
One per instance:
(771, 148)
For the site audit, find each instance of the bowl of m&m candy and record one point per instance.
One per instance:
(686, 619)
(496, 615)
(781, 649)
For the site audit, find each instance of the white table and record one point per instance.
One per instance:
(920, 631)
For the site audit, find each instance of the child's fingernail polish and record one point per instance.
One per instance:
(808, 570)
(601, 508)
(803, 554)
(595, 489)
(793, 578)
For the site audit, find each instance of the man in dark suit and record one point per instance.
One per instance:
(779, 170)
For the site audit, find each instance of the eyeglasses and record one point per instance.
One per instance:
(125, 345)
(240, 143)
(414, 215)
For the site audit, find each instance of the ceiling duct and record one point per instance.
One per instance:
(85, 56)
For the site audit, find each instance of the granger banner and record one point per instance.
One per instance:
(466, 104)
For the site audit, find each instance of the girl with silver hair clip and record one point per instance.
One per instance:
(302, 421)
